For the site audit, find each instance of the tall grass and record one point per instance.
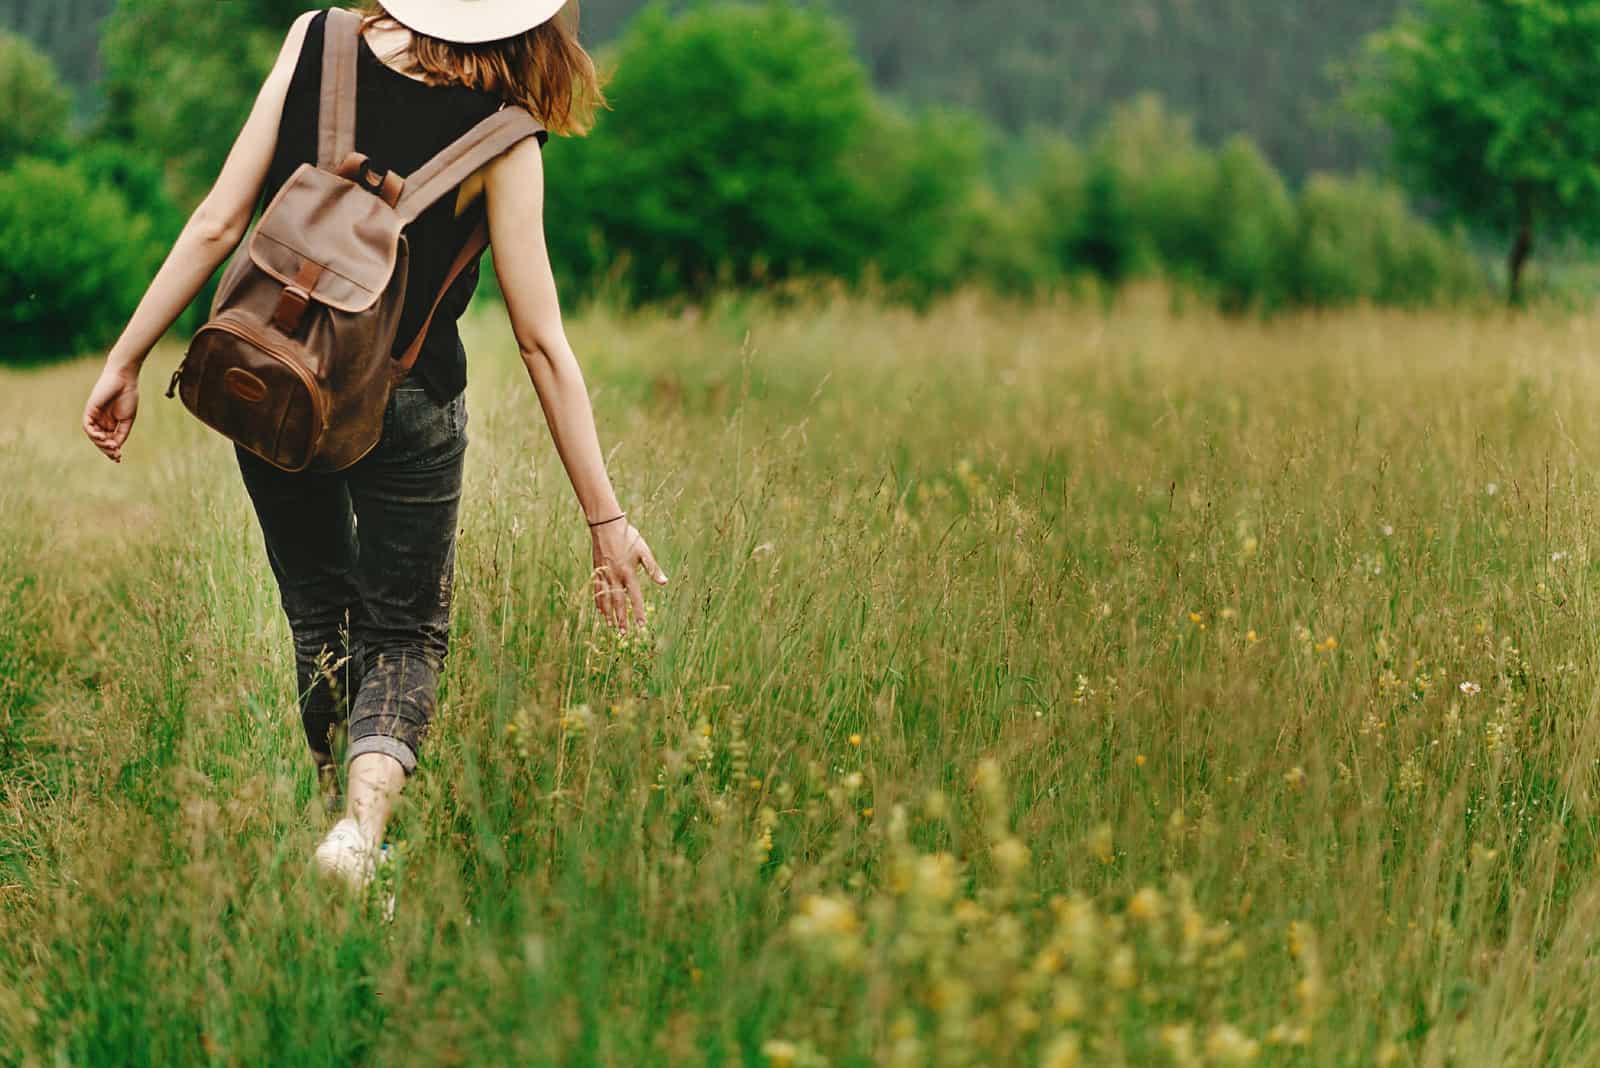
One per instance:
(1035, 685)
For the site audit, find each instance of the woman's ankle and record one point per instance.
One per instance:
(376, 779)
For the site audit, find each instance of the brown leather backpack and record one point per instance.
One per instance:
(296, 363)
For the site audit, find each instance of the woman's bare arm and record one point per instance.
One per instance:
(217, 225)
(514, 185)
(209, 237)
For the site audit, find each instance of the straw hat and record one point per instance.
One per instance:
(472, 21)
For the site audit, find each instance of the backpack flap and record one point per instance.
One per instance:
(330, 239)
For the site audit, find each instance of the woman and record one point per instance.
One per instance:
(369, 552)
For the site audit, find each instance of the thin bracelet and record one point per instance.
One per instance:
(603, 522)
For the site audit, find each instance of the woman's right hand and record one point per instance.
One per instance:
(108, 416)
(620, 554)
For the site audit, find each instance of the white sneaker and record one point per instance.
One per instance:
(347, 854)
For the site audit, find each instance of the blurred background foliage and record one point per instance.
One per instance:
(1031, 147)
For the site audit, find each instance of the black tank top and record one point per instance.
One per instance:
(401, 123)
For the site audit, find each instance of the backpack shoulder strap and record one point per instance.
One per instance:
(464, 259)
(492, 137)
(336, 125)
(485, 142)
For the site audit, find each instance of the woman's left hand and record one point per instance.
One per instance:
(620, 555)
(109, 414)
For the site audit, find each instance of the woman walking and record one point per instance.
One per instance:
(364, 557)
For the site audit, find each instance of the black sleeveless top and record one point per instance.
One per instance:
(401, 123)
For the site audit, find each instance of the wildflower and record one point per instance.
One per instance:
(1411, 778)
(1329, 644)
(1196, 617)
(991, 785)
(578, 718)
(1296, 938)
(949, 995)
(1146, 904)
(1067, 1003)
(934, 877)
(855, 739)
(1179, 1040)
(1010, 855)
(1470, 688)
(1139, 760)
(1120, 969)
(1251, 636)
(1388, 531)
(1491, 488)
(829, 925)
(1066, 1051)
(1226, 1044)
(1250, 546)
(1023, 1019)
(1285, 1034)
(1295, 779)
(779, 1053)
(968, 913)
(1100, 843)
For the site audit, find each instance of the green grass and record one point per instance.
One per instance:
(1041, 685)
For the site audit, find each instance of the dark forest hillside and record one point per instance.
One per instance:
(1234, 65)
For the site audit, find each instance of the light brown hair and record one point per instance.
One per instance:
(544, 70)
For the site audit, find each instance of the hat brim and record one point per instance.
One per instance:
(472, 21)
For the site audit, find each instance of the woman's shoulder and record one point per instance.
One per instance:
(307, 23)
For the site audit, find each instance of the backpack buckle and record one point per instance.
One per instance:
(380, 182)
(370, 176)
(296, 299)
(291, 309)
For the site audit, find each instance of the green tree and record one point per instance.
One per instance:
(917, 175)
(725, 159)
(76, 259)
(35, 110)
(180, 76)
(1491, 104)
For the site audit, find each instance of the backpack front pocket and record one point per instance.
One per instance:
(255, 388)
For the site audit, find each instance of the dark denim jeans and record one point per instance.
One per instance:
(365, 563)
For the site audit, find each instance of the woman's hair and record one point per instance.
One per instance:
(544, 70)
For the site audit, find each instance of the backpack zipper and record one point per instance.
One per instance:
(227, 325)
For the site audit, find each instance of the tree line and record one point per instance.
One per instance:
(1237, 66)
(747, 147)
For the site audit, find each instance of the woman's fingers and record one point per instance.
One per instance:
(104, 436)
(651, 568)
(619, 590)
(636, 595)
(611, 595)
(109, 413)
(604, 598)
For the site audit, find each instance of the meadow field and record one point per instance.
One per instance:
(1044, 685)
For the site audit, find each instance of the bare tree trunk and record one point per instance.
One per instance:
(1521, 250)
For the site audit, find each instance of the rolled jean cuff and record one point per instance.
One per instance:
(388, 746)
